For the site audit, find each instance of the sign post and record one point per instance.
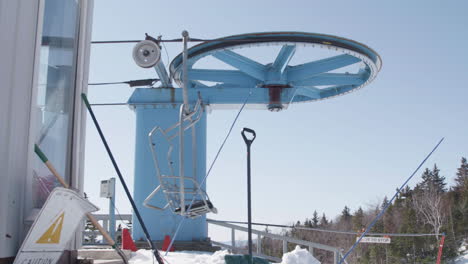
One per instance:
(108, 191)
(441, 246)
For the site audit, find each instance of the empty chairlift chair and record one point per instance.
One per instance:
(183, 193)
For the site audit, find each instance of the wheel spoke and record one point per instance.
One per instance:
(308, 70)
(284, 56)
(311, 92)
(223, 76)
(243, 64)
(332, 79)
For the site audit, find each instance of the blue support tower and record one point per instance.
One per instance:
(161, 223)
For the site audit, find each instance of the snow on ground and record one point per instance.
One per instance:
(297, 256)
(183, 257)
(463, 259)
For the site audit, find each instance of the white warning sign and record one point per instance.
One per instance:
(54, 227)
(378, 240)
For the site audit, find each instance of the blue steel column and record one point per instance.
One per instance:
(161, 223)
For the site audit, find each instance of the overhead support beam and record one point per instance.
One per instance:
(243, 64)
(309, 70)
(282, 60)
(171, 97)
(332, 79)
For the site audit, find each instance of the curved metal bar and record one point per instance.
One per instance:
(152, 194)
(181, 159)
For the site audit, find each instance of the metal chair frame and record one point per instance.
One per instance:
(173, 186)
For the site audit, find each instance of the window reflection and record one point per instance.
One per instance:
(54, 104)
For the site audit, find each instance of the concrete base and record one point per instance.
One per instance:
(101, 253)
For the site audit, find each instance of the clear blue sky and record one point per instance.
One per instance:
(351, 150)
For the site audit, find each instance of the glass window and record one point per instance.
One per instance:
(54, 105)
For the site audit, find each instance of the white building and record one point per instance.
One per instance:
(44, 55)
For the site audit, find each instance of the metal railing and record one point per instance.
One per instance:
(261, 234)
(105, 222)
(337, 254)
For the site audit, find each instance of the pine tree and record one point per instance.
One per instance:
(358, 220)
(431, 179)
(461, 181)
(315, 219)
(460, 202)
(439, 181)
(345, 219)
(345, 214)
(324, 221)
(91, 238)
(384, 202)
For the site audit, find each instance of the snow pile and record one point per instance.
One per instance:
(299, 256)
(183, 257)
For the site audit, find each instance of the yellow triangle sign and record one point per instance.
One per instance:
(52, 235)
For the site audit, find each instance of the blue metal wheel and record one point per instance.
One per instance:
(281, 81)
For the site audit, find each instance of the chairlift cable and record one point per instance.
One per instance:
(374, 221)
(327, 230)
(131, 83)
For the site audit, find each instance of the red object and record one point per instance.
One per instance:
(127, 241)
(166, 243)
(441, 246)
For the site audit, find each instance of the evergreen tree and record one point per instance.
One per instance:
(315, 219)
(346, 214)
(439, 181)
(431, 179)
(384, 202)
(358, 220)
(324, 221)
(345, 218)
(460, 202)
(461, 181)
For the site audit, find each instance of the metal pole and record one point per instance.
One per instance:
(249, 204)
(185, 38)
(181, 161)
(122, 180)
(441, 246)
(249, 142)
(112, 208)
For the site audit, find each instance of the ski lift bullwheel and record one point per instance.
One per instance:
(347, 66)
